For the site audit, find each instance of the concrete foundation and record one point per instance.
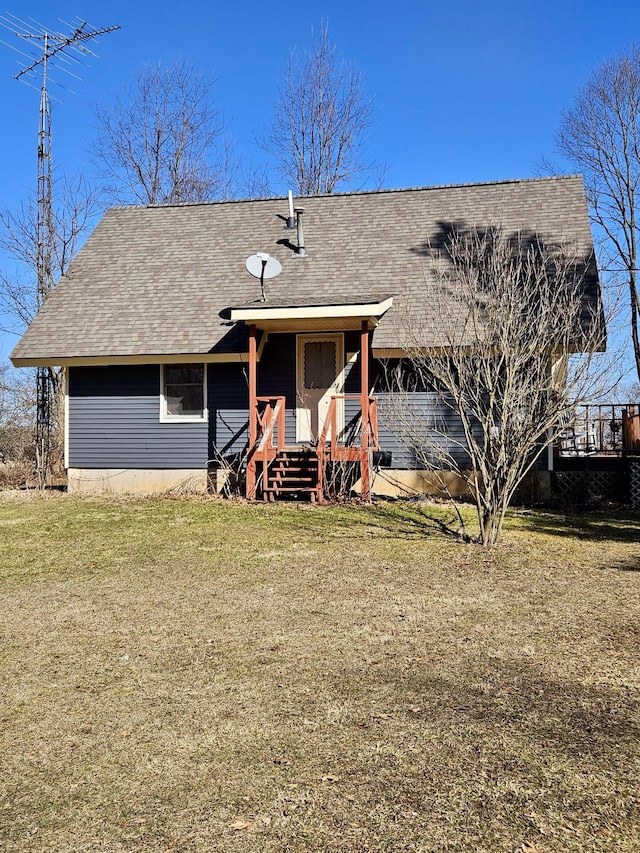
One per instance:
(121, 481)
(534, 489)
(398, 483)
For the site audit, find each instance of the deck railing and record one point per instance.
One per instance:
(270, 422)
(601, 430)
(363, 434)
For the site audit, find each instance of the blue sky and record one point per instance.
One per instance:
(466, 91)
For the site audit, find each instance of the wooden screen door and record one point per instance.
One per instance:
(320, 375)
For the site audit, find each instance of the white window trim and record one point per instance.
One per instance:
(166, 418)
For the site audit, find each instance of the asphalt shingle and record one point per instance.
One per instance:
(157, 280)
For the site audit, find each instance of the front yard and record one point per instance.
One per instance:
(198, 675)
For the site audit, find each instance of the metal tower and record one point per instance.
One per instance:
(62, 52)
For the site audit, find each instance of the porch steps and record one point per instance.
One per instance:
(293, 473)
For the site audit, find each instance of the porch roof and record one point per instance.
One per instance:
(311, 318)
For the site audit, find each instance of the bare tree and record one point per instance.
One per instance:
(17, 425)
(510, 313)
(162, 140)
(75, 206)
(321, 120)
(600, 134)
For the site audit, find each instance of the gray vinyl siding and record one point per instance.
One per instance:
(114, 422)
(352, 409)
(228, 398)
(403, 426)
(406, 421)
(402, 419)
(277, 377)
(398, 420)
(114, 413)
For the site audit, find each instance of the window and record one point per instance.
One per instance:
(184, 392)
(319, 364)
(405, 374)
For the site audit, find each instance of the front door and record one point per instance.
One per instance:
(320, 375)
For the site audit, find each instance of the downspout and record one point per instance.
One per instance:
(365, 475)
(66, 417)
(253, 414)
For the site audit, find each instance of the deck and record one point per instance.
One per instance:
(597, 455)
(599, 437)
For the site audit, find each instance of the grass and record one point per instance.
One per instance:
(198, 675)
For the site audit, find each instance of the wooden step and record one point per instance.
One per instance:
(293, 471)
(291, 489)
(290, 481)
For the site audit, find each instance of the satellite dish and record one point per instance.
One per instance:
(263, 266)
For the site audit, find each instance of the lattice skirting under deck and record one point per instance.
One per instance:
(583, 487)
(634, 483)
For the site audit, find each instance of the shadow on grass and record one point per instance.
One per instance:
(629, 564)
(418, 518)
(383, 519)
(483, 697)
(414, 519)
(595, 526)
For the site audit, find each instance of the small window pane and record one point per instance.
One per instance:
(319, 364)
(183, 374)
(184, 390)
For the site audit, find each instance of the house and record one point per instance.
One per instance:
(201, 339)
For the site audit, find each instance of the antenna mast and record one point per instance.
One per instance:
(57, 50)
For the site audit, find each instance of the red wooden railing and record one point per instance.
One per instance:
(269, 418)
(332, 445)
(356, 447)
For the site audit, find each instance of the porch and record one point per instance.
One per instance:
(320, 469)
(336, 431)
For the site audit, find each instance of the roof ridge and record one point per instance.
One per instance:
(379, 191)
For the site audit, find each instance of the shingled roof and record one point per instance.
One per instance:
(153, 282)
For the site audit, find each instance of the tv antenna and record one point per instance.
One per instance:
(47, 49)
(261, 265)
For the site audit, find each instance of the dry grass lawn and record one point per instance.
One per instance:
(198, 675)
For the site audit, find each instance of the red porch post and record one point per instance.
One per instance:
(253, 414)
(365, 475)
